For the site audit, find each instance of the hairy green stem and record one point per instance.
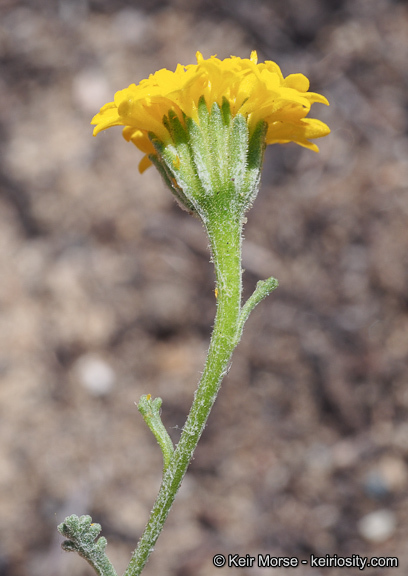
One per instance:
(225, 242)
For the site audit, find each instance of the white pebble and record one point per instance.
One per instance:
(90, 89)
(378, 526)
(95, 374)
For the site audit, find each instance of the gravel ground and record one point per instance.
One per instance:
(106, 293)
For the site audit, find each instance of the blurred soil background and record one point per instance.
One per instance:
(107, 292)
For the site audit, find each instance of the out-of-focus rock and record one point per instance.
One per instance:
(378, 526)
(95, 374)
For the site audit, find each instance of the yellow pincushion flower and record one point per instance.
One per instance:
(205, 128)
(258, 92)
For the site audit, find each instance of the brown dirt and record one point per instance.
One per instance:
(100, 270)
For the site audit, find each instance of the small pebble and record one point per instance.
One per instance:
(377, 526)
(394, 472)
(95, 374)
(388, 476)
(90, 89)
(375, 486)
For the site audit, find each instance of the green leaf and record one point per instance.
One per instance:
(150, 410)
(81, 536)
(262, 290)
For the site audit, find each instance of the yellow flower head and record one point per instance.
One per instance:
(255, 91)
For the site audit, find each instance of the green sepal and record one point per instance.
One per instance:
(226, 112)
(198, 143)
(238, 151)
(175, 128)
(175, 164)
(171, 182)
(256, 151)
(257, 145)
(203, 114)
(212, 164)
(179, 158)
(217, 138)
(157, 143)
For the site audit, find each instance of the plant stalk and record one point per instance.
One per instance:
(225, 236)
